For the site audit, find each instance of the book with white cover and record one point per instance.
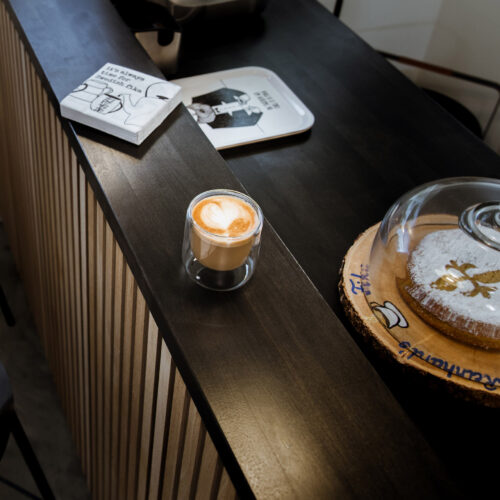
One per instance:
(244, 105)
(122, 102)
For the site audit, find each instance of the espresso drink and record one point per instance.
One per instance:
(223, 231)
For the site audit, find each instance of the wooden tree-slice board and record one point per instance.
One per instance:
(380, 314)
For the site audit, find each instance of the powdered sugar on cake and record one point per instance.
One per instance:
(447, 268)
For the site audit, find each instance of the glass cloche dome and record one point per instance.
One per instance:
(435, 263)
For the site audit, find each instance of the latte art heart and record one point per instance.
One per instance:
(225, 216)
(220, 215)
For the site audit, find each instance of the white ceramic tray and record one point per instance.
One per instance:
(244, 105)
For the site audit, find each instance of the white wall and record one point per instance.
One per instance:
(328, 4)
(401, 26)
(404, 26)
(459, 34)
(466, 38)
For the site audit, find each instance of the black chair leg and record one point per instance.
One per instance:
(29, 457)
(4, 306)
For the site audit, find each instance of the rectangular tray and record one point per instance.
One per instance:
(244, 105)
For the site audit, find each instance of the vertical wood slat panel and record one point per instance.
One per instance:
(59, 242)
(135, 427)
(58, 276)
(210, 472)
(226, 489)
(44, 214)
(49, 235)
(39, 171)
(49, 196)
(119, 293)
(4, 208)
(151, 367)
(75, 289)
(21, 183)
(76, 298)
(13, 143)
(191, 457)
(162, 418)
(176, 434)
(136, 390)
(3, 112)
(68, 285)
(43, 318)
(99, 349)
(91, 260)
(39, 304)
(128, 312)
(7, 103)
(83, 341)
(109, 284)
(18, 181)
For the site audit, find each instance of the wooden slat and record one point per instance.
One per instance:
(91, 248)
(54, 253)
(84, 342)
(70, 281)
(18, 152)
(3, 112)
(20, 179)
(176, 434)
(226, 488)
(137, 389)
(162, 418)
(128, 312)
(135, 427)
(43, 320)
(47, 212)
(60, 276)
(109, 285)
(118, 300)
(153, 353)
(191, 458)
(32, 175)
(77, 310)
(33, 194)
(210, 473)
(8, 104)
(99, 350)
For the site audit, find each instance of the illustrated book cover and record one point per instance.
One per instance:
(122, 102)
(244, 105)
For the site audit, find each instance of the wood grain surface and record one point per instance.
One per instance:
(375, 137)
(291, 403)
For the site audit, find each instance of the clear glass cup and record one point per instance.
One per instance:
(214, 260)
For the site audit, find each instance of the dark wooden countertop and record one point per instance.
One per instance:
(291, 402)
(376, 136)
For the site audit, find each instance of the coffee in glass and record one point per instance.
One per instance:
(222, 239)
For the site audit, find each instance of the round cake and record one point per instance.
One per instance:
(453, 283)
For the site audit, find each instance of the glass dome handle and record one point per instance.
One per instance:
(482, 222)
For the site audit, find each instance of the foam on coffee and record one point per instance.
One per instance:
(225, 215)
(223, 231)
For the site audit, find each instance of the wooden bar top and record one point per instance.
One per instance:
(293, 406)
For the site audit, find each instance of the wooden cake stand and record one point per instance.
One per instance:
(379, 313)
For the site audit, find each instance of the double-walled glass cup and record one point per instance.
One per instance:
(220, 248)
